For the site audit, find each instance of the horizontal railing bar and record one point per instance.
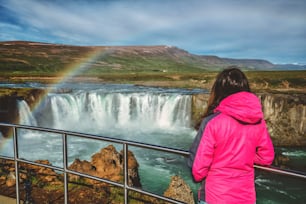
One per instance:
(40, 164)
(282, 171)
(95, 178)
(7, 158)
(158, 148)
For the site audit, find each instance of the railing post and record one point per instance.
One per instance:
(65, 168)
(16, 156)
(28, 188)
(125, 168)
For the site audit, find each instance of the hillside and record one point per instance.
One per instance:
(18, 57)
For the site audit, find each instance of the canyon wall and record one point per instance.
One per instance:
(8, 113)
(286, 118)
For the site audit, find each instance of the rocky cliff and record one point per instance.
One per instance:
(286, 118)
(8, 113)
(9, 106)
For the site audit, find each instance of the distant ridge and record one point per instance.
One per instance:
(18, 56)
(244, 63)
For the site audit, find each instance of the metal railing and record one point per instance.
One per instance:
(125, 144)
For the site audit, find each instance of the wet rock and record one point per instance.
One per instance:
(179, 190)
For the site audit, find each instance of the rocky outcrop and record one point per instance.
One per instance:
(286, 118)
(8, 113)
(199, 104)
(9, 98)
(179, 190)
(108, 164)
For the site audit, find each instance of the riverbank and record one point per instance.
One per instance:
(260, 81)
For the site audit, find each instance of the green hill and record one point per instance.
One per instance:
(147, 65)
(18, 57)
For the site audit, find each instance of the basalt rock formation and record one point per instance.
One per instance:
(9, 106)
(8, 112)
(286, 118)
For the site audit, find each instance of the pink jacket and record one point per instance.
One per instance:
(227, 146)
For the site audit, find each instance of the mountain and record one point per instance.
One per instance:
(290, 67)
(256, 64)
(44, 58)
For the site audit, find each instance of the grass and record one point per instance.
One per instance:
(293, 81)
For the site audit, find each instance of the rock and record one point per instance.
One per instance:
(199, 104)
(43, 174)
(81, 166)
(11, 180)
(179, 190)
(286, 118)
(108, 164)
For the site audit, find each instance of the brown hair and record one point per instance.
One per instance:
(231, 80)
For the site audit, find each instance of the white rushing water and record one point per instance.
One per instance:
(86, 110)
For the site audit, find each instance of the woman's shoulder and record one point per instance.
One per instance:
(209, 119)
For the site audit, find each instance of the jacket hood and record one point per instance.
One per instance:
(243, 106)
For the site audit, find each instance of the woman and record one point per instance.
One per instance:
(231, 138)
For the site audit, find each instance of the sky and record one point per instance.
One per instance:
(274, 30)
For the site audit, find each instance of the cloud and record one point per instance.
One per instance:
(232, 28)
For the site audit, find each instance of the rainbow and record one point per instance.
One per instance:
(69, 72)
(74, 69)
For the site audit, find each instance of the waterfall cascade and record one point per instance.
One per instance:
(87, 110)
(25, 115)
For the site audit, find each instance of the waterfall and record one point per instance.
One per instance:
(100, 110)
(25, 115)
